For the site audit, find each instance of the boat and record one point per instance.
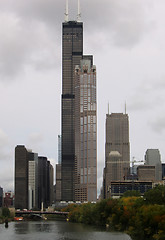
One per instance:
(18, 218)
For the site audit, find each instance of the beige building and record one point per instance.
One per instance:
(146, 173)
(85, 132)
(117, 150)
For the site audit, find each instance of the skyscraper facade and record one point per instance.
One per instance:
(85, 132)
(72, 53)
(25, 185)
(153, 157)
(33, 179)
(45, 182)
(117, 150)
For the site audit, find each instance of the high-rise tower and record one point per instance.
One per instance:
(117, 150)
(72, 53)
(85, 132)
(26, 194)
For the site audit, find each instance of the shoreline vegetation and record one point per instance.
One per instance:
(140, 217)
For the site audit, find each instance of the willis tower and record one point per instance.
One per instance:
(72, 54)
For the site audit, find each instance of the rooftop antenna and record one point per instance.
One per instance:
(66, 12)
(79, 12)
(125, 107)
(108, 108)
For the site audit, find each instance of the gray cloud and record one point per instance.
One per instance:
(124, 21)
(158, 124)
(4, 143)
(30, 30)
(25, 43)
(35, 141)
(147, 95)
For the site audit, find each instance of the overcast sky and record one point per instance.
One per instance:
(127, 40)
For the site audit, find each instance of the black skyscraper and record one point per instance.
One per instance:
(72, 53)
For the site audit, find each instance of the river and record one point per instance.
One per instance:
(55, 230)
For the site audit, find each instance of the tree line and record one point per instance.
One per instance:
(140, 217)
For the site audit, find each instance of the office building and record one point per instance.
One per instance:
(9, 199)
(163, 171)
(118, 188)
(58, 172)
(58, 183)
(45, 182)
(117, 150)
(59, 149)
(33, 182)
(153, 158)
(85, 132)
(72, 53)
(146, 173)
(25, 178)
(1, 197)
(33, 179)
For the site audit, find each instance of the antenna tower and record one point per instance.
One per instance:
(66, 12)
(79, 12)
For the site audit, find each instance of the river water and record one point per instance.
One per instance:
(55, 230)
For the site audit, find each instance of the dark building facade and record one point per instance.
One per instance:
(33, 180)
(117, 189)
(163, 171)
(72, 53)
(45, 182)
(1, 197)
(21, 177)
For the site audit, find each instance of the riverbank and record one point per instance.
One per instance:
(133, 215)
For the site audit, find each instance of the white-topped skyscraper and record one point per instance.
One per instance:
(72, 54)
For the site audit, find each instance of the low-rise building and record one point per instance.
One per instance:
(118, 188)
(8, 199)
(146, 173)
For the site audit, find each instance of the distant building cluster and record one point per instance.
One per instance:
(118, 177)
(33, 180)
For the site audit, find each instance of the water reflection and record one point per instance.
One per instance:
(56, 231)
(30, 227)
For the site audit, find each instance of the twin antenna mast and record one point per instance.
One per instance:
(67, 12)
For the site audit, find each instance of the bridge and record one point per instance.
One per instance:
(29, 212)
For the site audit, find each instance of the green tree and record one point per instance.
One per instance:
(131, 193)
(155, 195)
(5, 212)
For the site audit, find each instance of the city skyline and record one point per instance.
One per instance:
(127, 41)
